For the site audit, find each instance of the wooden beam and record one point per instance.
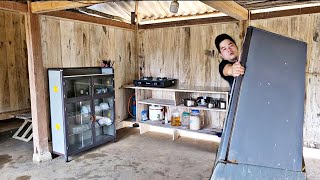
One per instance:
(242, 24)
(89, 19)
(13, 6)
(11, 114)
(47, 6)
(189, 22)
(229, 8)
(283, 13)
(38, 91)
(243, 29)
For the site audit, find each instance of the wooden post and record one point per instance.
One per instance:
(243, 28)
(39, 107)
(243, 24)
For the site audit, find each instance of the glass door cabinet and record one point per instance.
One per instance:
(82, 108)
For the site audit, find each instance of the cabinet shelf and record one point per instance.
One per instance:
(202, 108)
(172, 97)
(205, 130)
(163, 102)
(183, 88)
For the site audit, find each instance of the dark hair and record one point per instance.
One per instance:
(220, 38)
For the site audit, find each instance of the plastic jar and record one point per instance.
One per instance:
(185, 120)
(195, 121)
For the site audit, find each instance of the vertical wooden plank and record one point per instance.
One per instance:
(51, 42)
(20, 84)
(86, 44)
(120, 77)
(23, 62)
(311, 133)
(38, 92)
(67, 44)
(14, 91)
(10, 39)
(4, 84)
(184, 56)
(82, 48)
(79, 41)
(313, 65)
(124, 67)
(95, 51)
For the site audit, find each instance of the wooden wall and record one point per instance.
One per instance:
(183, 53)
(14, 82)
(305, 28)
(68, 43)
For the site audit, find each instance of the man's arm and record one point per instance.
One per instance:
(233, 70)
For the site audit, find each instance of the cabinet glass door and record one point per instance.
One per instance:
(103, 84)
(76, 87)
(79, 116)
(104, 111)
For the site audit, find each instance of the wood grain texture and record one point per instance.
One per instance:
(47, 6)
(69, 43)
(38, 88)
(14, 82)
(312, 111)
(67, 15)
(13, 6)
(230, 8)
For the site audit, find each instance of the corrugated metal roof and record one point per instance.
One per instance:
(152, 11)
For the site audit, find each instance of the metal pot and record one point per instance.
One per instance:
(189, 102)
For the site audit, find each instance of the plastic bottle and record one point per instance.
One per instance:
(175, 119)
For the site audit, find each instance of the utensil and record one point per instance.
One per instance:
(189, 102)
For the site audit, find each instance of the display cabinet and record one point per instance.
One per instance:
(82, 108)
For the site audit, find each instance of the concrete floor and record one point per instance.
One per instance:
(148, 156)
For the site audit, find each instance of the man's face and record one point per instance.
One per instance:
(228, 50)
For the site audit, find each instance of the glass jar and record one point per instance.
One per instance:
(185, 120)
(195, 121)
(175, 119)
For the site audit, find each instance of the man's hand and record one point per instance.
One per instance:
(237, 69)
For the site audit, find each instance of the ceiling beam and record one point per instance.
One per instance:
(285, 13)
(13, 6)
(229, 8)
(47, 6)
(89, 19)
(191, 22)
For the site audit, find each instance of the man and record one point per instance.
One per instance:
(229, 67)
